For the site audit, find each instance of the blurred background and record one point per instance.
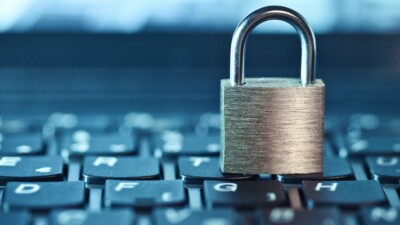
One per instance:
(169, 56)
(135, 16)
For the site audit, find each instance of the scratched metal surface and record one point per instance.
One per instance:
(272, 125)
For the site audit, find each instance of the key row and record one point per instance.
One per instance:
(373, 146)
(65, 122)
(369, 134)
(77, 144)
(169, 143)
(166, 144)
(170, 216)
(82, 142)
(193, 170)
(97, 169)
(364, 134)
(152, 193)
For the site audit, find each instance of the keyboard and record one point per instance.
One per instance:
(139, 168)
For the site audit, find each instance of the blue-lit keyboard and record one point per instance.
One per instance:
(67, 169)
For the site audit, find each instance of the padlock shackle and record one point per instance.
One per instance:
(308, 45)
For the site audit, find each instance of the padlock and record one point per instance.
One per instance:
(272, 125)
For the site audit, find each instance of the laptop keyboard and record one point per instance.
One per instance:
(141, 169)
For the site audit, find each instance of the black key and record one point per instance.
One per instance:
(334, 168)
(21, 144)
(144, 193)
(43, 195)
(194, 170)
(173, 143)
(30, 168)
(289, 216)
(195, 217)
(375, 146)
(385, 169)
(380, 216)
(82, 143)
(15, 218)
(83, 217)
(244, 194)
(97, 169)
(343, 193)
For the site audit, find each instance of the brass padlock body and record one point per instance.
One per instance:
(273, 126)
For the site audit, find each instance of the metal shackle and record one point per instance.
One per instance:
(308, 46)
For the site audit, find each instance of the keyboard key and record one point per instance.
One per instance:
(380, 216)
(143, 122)
(63, 120)
(144, 193)
(373, 126)
(100, 123)
(334, 168)
(139, 121)
(173, 143)
(244, 194)
(375, 146)
(43, 195)
(15, 218)
(194, 170)
(82, 143)
(21, 144)
(343, 193)
(30, 168)
(289, 216)
(191, 217)
(385, 169)
(18, 125)
(82, 217)
(96, 170)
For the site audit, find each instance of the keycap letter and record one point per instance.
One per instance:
(72, 217)
(27, 188)
(331, 187)
(281, 215)
(197, 161)
(9, 161)
(177, 216)
(386, 162)
(226, 187)
(271, 196)
(110, 161)
(388, 215)
(125, 185)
